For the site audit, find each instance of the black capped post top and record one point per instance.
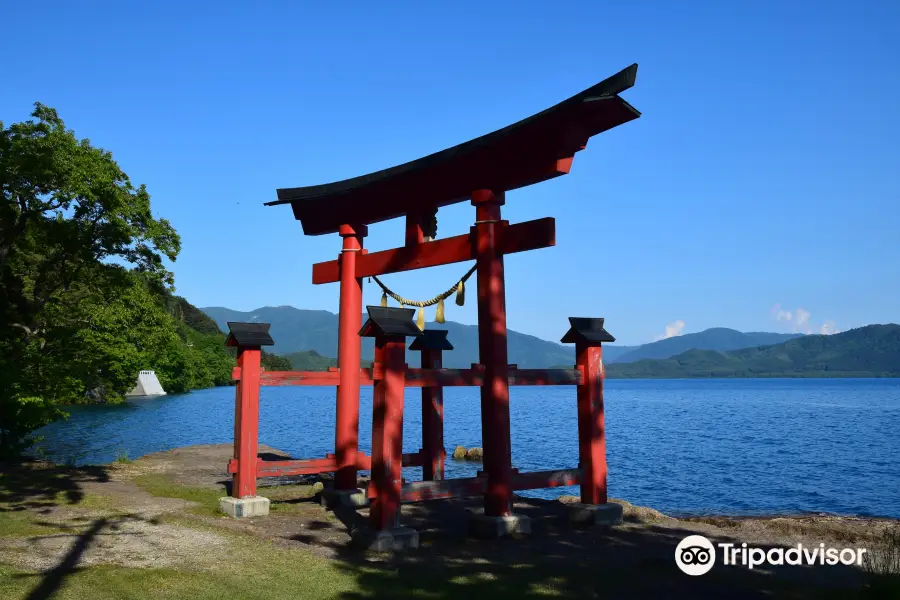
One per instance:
(249, 335)
(432, 339)
(587, 330)
(390, 322)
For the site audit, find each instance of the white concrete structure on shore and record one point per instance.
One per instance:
(147, 385)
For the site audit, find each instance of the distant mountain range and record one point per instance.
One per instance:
(295, 330)
(871, 351)
(308, 338)
(717, 338)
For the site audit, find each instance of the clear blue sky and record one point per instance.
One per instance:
(765, 170)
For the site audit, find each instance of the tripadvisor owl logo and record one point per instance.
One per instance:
(695, 555)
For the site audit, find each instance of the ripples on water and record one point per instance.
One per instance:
(752, 446)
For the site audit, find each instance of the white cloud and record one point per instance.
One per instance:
(828, 328)
(780, 315)
(799, 320)
(672, 329)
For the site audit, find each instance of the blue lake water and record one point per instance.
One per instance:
(739, 447)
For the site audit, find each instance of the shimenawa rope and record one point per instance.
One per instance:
(459, 288)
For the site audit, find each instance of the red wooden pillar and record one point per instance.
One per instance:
(591, 431)
(248, 339)
(432, 422)
(246, 423)
(387, 432)
(346, 430)
(389, 327)
(431, 345)
(493, 354)
(588, 336)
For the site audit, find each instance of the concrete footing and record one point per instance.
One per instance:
(588, 515)
(241, 508)
(387, 540)
(332, 498)
(487, 527)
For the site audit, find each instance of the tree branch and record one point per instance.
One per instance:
(26, 328)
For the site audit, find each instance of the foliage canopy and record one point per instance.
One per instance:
(85, 295)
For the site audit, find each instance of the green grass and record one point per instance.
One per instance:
(15, 521)
(287, 492)
(283, 498)
(290, 581)
(207, 499)
(98, 502)
(24, 524)
(122, 457)
(260, 571)
(249, 569)
(254, 570)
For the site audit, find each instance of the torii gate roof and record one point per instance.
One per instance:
(535, 149)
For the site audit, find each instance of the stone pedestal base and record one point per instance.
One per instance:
(241, 508)
(387, 540)
(487, 527)
(588, 515)
(332, 498)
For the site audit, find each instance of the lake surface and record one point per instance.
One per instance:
(731, 446)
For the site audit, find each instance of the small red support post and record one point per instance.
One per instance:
(414, 233)
(389, 327)
(591, 432)
(387, 433)
(588, 336)
(346, 431)
(433, 421)
(246, 423)
(248, 339)
(431, 345)
(493, 354)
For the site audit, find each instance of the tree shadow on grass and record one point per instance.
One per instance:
(35, 485)
(51, 580)
(632, 561)
(41, 487)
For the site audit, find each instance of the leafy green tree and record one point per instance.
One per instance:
(70, 218)
(68, 206)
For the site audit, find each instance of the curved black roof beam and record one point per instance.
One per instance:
(535, 149)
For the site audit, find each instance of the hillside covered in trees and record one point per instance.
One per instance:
(871, 351)
(86, 300)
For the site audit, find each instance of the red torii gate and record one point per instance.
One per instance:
(535, 149)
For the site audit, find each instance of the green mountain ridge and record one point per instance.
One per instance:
(198, 328)
(870, 351)
(720, 339)
(297, 332)
(310, 360)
